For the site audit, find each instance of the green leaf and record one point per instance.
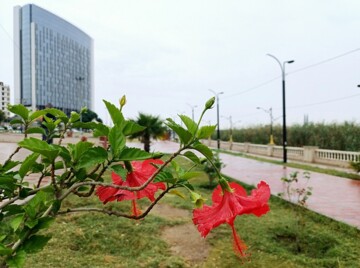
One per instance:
(132, 128)
(35, 243)
(20, 110)
(7, 183)
(178, 193)
(31, 223)
(9, 165)
(193, 157)
(33, 130)
(115, 113)
(15, 222)
(189, 123)
(204, 150)
(184, 135)
(205, 132)
(131, 154)
(79, 149)
(13, 209)
(165, 176)
(120, 170)
(4, 250)
(37, 114)
(18, 260)
(16, 121)
(99, 129)
(117, 140)
(91, 157)
(74, 116)
(191, 175)
(28, 164)
(41, 147)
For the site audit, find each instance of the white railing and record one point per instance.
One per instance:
(310, 154)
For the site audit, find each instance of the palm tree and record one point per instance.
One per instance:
(154, 129)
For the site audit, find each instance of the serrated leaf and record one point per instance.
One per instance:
(178, 193)
(41, 147)
(184, 135)
(27, 164)
(165, 176)
(205, 132)
(131, 128)
(74, 116)
(20, 110)
(115, 113)
(79, 149)
(38, 130)
(35, 243)
(191, 175)
(189, 123)
(16, 221)
(37, 114)
(117, 140)
(101, 130)
(4, 250)
(120, 170)
(18, 260)
(9, 165)
(131, 154)
(204, 150)
(193, 157)
(7, 183)
(31, 223)
(92, 157)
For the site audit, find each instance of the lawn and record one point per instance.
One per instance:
(288, 236)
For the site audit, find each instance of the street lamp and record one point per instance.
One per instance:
(271, 123)
(218, 115)
(192, 110)
(231, 130)
(79, 79)
(282, 67)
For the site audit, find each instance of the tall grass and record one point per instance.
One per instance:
(335, 136)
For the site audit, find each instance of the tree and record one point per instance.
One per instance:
(89, 116)
(2, 116)
(154, 129)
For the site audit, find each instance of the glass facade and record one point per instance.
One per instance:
(55, 61)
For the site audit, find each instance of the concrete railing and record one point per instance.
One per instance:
(309, 154)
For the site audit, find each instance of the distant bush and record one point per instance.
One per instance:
(344, 136)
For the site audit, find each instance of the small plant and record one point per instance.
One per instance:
(297, 195)
(211, 166)
(355, 166)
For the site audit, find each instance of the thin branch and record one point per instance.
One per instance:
(12, 155)
(132, 189)
(10, 201)
(120, 214)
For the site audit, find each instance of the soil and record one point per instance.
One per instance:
(184, 239)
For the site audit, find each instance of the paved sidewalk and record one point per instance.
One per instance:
(335, 197)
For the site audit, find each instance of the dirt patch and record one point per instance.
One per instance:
(170, 212)
(184, 240)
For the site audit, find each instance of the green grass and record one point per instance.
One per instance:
(288, 236)
(328, 171)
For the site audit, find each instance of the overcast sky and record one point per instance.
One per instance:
(165, 55)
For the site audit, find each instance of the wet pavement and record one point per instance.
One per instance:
(335, 197)
(332, 196)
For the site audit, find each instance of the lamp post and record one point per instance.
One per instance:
(218, 115)
(271, 123)
(282, 67)
(192, 110)
(79, 79)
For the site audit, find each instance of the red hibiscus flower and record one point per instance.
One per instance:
(229, 201)
(141, 172)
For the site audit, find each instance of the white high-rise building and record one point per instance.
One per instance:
(53, 61)
(5, 98)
